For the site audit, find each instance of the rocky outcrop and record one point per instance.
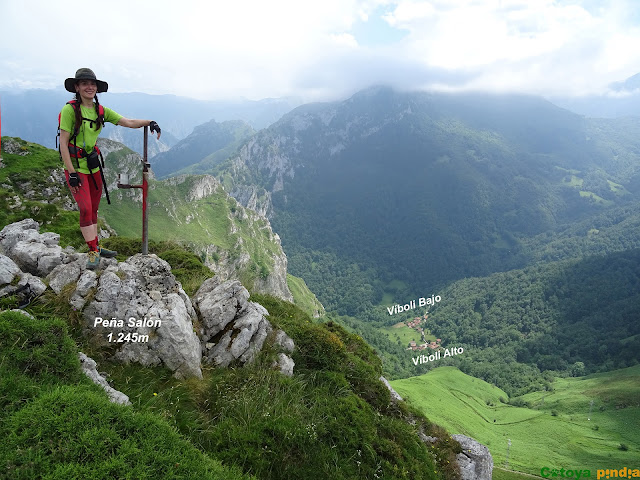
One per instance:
(395, 396)
(138, 308)
(230, 266)
(88, 366)
(254, 251)
(275, 283)
(475, 461)
(254, 198)
(32, 251)
(233, 329)
(142, 310)
(12, 146)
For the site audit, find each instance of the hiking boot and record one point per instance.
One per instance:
(93, 260)
(104, 253)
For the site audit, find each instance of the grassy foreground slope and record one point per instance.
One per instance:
(57, 425)
(554, 434)
(332, 419)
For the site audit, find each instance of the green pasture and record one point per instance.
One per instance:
(596, 198)
(556, 433)
(406, 334)
(574, 181)
(617, 188)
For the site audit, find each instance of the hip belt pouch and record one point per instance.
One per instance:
(93, 160)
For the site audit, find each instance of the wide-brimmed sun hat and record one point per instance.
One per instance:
(85, 74)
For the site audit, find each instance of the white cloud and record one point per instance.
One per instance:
(215, 49)
(345, 39)
(408, 12)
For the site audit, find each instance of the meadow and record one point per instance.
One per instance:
(557, 432)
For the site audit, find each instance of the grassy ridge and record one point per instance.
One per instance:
(57, 425)
(27, 191)
(554, 434)
(303, 297)
(216, 219)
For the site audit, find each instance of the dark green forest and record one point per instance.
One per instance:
(523, 216)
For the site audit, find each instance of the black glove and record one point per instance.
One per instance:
(74, 179)
(154, 127)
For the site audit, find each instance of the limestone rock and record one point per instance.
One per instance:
(89, 368)
(63, 275)
(475, 461)
(285, 363)
(143, 289)
(86, 282)
(284, 341)
(395, 396)
(8, 270)
(232, 328)
(22, 312)
(13, 233)
(36, 285)
(33, 252)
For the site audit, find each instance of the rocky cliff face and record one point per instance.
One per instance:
(255, 255)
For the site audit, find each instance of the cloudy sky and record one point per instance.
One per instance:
(321, 49)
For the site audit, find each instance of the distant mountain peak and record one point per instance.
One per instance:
(629, 85)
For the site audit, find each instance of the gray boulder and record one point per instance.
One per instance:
(8, 270)
(285, 363)
(233, 329)
(475, 461)
(284, 341)
(87, 281)
(22, 312)
(140, 307)
(33, 252)
(36, 285)
(64, 274)
(89, 368)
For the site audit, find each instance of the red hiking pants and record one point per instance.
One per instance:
(88, 197)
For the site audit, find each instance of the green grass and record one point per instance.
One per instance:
(303, 297)
(500, 473)
(333, 419)
(596, 198)
(185, 265)
(617, 188)
(392, 291)
(463, 404)
(18, 174)
(406, 334)
(56, 424)
(215, 220)
(574, 181)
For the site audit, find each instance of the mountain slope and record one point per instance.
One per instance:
(33, 114)
(426, 189)
(234, 241)
(555, 428)
(208, 145)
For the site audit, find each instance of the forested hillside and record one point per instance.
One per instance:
(424, 189)
(522, 216)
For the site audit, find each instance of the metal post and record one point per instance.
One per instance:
(145, 186)
(508, 448)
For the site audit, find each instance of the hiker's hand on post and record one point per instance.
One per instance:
(154, 127)
(74, 182)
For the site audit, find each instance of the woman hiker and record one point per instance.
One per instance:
(81, 121)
